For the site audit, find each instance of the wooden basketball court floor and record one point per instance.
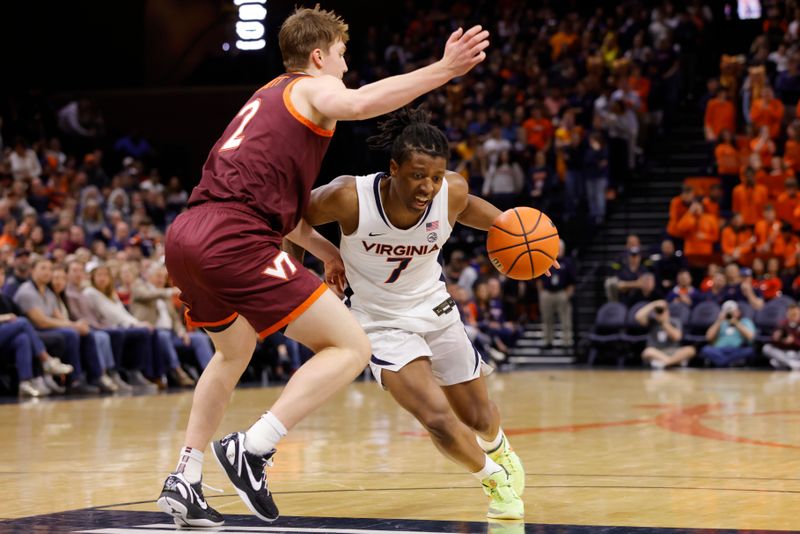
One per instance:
(689, 450)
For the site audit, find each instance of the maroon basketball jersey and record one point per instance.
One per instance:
(267, 159)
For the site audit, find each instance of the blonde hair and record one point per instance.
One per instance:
(306, 30)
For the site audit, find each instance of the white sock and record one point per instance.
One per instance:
(264, 434)
(491, 446)
(489, 468)
(190, 463)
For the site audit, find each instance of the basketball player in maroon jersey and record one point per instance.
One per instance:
(224, 251)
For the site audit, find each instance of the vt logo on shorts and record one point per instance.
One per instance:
(279, 265)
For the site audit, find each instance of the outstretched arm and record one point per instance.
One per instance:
(329, 96)
(468, 209)
(478, 213)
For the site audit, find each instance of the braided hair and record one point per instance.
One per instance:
(409, 130)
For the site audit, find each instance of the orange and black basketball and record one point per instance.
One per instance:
(522, 243)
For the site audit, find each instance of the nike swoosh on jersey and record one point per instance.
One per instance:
(374, 235)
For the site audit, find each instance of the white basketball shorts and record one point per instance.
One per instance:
(454, 359)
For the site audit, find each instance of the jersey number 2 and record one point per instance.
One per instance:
(248, 112)
(402, 263)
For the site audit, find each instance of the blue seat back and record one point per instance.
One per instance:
(771, 314)
(747, 310)
(610, 316)
(680, 311)
(703, 315)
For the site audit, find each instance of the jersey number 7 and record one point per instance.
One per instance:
(402, 263)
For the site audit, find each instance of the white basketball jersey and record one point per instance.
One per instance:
(395, 275)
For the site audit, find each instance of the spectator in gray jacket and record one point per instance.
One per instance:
(40, 304)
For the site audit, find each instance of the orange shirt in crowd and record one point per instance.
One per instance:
(727, 159)
(641, 86)
(786, 248)
(769, 286)
(9, 240)
(677, 209)
(766, 232)
(711, 206)
(700, 232)
(774, 182)
(750, 201)
(743, 239)
(770, 115)
(797, 109)
(765, 153)
(762, 178)
(561, 42)
(705, 285)
(791, 154)
(785, 208)
(538, 133)
(720, 115)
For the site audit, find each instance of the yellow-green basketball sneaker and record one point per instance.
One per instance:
(504, 503)
(505, 456)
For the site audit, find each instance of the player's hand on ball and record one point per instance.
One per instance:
(523, 243)
(334, 275)
(556, 265)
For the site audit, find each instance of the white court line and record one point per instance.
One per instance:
(163, 528)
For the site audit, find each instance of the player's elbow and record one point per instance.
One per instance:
(357, 108)
(364, 104)
(348, 106)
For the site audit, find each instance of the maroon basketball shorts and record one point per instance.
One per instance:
(228, 262)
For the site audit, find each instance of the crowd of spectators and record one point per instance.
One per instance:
(733, 235)
(86, 303)
(557, 118)
(749, 212)
(744, 308)
(558, 115)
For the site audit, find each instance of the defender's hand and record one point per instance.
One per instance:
(334, 275)
(464, 50)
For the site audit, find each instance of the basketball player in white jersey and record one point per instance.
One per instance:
(393, 228)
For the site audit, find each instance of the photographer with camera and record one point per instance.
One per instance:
(663, 340)
(729, 338)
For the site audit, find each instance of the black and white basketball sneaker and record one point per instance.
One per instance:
(246, 471)
(186, 504)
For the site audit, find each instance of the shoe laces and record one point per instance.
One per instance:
(268, 461)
